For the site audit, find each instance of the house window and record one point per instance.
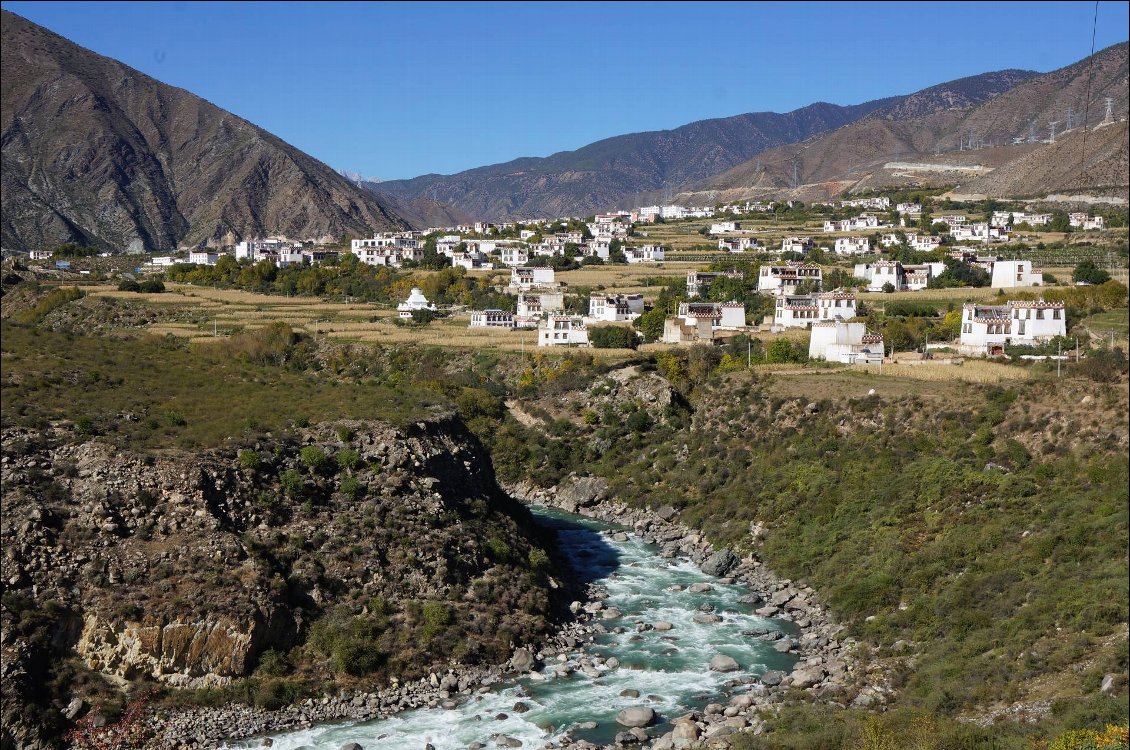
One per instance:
(1055, 314)
(1039, 315)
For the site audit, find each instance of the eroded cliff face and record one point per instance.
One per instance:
(185, 568)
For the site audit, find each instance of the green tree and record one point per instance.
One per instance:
(650, 324)
(1088, 272)
(613, 337)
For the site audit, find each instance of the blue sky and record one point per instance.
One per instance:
(397, 90)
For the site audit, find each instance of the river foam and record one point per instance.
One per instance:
(670, 669)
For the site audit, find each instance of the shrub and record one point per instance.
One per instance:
(347, 458)
(55, 299)
(249, 459)
(436, 617)
(344, 433)
(1103, 365)
(129, 285)
(273, 663)
(152, 286)
(292, 484)
(315, 458)
(1088, 272)
(351, 487)
(613, 337)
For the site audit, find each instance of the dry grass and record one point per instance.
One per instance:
(959, 295)
(969, 371)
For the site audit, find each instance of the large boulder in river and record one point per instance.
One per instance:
(723, 663)
(637, 716)
(524, 661)
(720, 563)
(807, 676)
(581, 492)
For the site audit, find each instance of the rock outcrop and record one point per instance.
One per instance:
(186, 568)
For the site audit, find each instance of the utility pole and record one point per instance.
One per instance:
(1059, 358)
(748, 353)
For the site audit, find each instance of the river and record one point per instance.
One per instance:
(668, 668)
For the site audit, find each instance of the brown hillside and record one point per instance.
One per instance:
(98, 153)
(1063, 166)
(938, 128)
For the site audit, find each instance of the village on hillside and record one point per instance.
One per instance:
(784, 268)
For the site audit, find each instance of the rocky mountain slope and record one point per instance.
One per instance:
(1097, 164)
(98, 153)
(614, 171)
(394, 545)
(935, 126)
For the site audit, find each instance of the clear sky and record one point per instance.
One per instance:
(397, 90)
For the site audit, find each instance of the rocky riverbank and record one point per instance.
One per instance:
(827, 669)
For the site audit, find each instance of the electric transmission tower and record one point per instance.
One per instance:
(1108, 118)
(1051, 126)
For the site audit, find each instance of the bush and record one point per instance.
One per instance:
(55, 299)
(249, 459)
(129, 285)
(152, 286)
(1088, 272)
(352, 487)
(613, 337)
(273, 663)
(1104, 365)
(436, 616)
(347, 458)
(315, 458)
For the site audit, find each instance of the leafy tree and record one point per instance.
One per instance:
(1087, 271)
(613, 337)
(1060, 222)
(650, 324)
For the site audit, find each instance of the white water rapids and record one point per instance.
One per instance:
(669, 669)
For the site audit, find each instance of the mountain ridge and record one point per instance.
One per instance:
(99, 153)
(856, 152)
(647, 166)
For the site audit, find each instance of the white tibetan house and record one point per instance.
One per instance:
(563, 330)
(987, 329)
(849, 343)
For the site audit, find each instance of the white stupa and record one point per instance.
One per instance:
(416, 301)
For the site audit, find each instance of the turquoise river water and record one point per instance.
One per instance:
(669, 669)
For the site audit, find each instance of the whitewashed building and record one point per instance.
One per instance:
(698, 322)
(796, 244)
(801, 311)
(206, 257)
(1083, 220)
(738, 244)
(1007, 274)
(786, 277)
(644, 254)
(722, 227)
(987, 329)
(563, 330)
(491, 319)
(614, 308)
(698, 282)
(852, 246)
(527, 277)
(849, 343)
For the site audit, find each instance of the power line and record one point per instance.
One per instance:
(1087, 100)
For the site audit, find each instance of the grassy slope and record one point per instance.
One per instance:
(986, 526)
